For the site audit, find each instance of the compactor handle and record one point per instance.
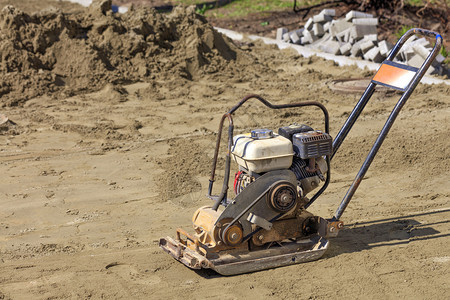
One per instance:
(359, 107)
(394, 75)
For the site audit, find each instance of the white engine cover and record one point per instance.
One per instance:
(262, 155)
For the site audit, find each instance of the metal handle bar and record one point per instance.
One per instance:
(391, 119)
(359, 107)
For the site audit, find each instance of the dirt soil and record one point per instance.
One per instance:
(433, 16)
(96, 169)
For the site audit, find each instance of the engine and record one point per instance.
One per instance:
(298, 148)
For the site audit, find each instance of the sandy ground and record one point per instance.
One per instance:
(91, 182)
(31, 6)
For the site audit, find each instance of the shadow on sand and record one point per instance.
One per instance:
(387, 232)
(377, 233)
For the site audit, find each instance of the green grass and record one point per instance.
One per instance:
(414, 2)
(445, 54)
(242, 8)
(204, 9)
(403, 30)
(423, 2)
(188, 2)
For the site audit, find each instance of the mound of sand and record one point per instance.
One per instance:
(51, 51)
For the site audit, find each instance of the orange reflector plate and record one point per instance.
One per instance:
(394, 75)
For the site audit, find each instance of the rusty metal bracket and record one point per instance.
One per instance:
(194, 240)
(333, 227)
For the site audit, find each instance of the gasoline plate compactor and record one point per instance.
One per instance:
(267, 224)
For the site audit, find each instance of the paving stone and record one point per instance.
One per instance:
(329, 12)
(385, 47)
(416, 61)
(366, 46)
(366, 21)
(408, 45)
(356, 14)
(318, 29)
(309, 24)
(440, 58)
(434, 70)
(371, 37)
(280, 32)
(326, 37)
(422, 41)
(341, 36)
(345, 49)
(355, 35)
(309, 37)
(407, 53)
(359, 31)
(314, 37)
(347, 37)
(306, 39)
(322, 18)
(338, 26)
(374, 55)
(332, 47)
(424, 52)
(421, 50)
(356, 50)
(300, 32)
(294, 37)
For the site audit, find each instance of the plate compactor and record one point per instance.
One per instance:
(267, 225)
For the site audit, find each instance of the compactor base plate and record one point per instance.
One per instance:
(232, 263)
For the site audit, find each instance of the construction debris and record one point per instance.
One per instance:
(355, 35)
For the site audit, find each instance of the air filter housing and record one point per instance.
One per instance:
(289, 131)
(312, 144)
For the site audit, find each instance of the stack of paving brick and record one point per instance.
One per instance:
(416, 50)
(355, 35)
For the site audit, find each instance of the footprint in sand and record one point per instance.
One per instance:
(129, 273)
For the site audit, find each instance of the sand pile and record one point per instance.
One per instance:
(51, 51)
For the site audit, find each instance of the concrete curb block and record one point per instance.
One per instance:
(307, 52)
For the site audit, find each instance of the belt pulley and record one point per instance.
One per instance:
(282, 197)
